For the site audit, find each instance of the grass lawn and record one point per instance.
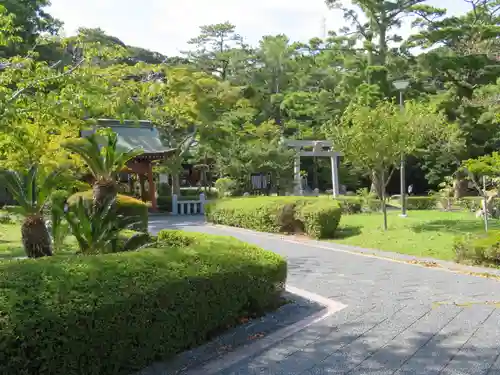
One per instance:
(10, 241)
(12, 247)
(423, 233)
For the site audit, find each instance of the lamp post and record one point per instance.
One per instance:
(401, 86)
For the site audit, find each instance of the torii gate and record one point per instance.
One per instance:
(318, 150)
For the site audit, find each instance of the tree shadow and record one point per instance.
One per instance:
(355, 348)
(452, 226)
(347, 231)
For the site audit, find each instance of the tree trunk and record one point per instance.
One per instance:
(103, 191)
(382, 196)
(176, 184)
(376, 185)
(35, 237)
(460, 185)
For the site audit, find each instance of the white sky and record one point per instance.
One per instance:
(166, 25)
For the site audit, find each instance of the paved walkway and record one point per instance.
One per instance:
(400, 318)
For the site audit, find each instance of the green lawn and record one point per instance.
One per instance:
(11, 245)
(422, 233)
(10, 241)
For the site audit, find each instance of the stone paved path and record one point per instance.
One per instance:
(400, 318)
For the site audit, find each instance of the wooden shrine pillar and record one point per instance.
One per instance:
(152, 188)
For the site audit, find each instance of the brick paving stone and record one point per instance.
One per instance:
(400, 318)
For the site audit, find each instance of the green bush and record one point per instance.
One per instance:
(369, 200)
(278, 214)
(483, 249)
(164, 189)
(350, 204)
(6, 219)
(175, 238)
(421, 203)
(118, 313)
(126, 206)
(225, 186)
(164, 203)
(58, 197)
(471, 204)
(320, 220)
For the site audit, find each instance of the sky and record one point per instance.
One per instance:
(166, 25)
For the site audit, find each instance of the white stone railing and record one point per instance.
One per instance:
(192, 207)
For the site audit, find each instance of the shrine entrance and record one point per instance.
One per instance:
(138, 135)
(314, 149)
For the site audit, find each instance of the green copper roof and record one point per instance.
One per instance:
(134, 134)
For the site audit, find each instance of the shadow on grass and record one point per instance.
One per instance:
(347, 231)
(453, 226)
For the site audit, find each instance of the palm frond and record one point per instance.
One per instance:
(30, 180)
(104, 161)
(89, 150)
(46, 186)
(15, 185)
(123, 158)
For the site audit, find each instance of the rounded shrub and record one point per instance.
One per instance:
(278, 214)
(320, 218)
(119, 313)
(126, 206)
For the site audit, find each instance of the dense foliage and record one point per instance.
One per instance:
(226, 104)
(66, 315)
(125, 206)
(479, 250)
(317, 217)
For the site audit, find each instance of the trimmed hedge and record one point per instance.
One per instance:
(317, 216)
(483, 249)
(421, 203)
(126, 206)
(350, 204)
(471, 204)
(118, 313)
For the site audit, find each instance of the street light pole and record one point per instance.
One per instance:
(401, 86)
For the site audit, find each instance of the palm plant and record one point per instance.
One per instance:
(98, 230)
(32, 190)
(104, 162)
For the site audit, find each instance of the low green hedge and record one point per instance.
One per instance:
(118, 313)
(471, 204)
(317, 216)
(479, 249)
(421, 203)
(350, 204)
(126, 206)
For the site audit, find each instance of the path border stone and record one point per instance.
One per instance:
(306, 309)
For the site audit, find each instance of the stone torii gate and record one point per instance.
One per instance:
(319, 149)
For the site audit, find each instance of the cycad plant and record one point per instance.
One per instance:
(104, 161)
(97, 230)
(32, 190)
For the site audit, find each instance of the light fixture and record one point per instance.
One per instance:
(401, 84)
